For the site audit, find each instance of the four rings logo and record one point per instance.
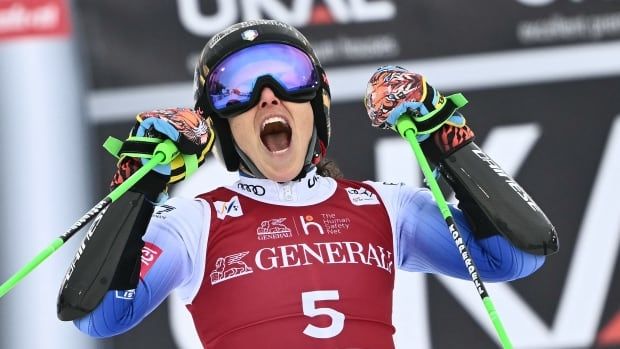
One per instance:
(257, 190)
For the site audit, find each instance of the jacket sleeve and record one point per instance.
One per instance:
(168, 259)
(424, 243)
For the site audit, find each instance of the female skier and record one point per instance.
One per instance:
(291, 255)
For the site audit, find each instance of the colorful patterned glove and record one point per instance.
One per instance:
(393, 91)
(192, 134)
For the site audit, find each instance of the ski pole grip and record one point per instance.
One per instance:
(167, 149)
(404, 124)
(164, 152)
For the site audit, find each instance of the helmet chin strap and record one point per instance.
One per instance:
(248, 167)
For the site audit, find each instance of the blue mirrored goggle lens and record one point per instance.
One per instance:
(231, 83)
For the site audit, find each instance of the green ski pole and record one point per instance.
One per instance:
(407, 129)
(164, 153)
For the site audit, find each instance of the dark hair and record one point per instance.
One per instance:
(328, 168)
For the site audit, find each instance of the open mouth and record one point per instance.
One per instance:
(276, 134)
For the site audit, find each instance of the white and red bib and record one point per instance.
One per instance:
(304, 265)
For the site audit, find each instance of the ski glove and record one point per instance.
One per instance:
(393, 91)
(188, 129)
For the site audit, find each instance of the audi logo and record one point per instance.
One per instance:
(254, 189)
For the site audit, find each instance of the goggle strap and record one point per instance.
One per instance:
(247, 163)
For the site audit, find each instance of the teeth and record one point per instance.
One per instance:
(273, 119)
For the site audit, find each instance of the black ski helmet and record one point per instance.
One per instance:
(235, 38)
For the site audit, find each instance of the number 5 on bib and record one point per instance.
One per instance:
(308, 301)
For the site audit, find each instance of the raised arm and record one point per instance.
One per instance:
(499, 221)
(109, 257)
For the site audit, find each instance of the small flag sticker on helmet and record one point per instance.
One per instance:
(249, 35)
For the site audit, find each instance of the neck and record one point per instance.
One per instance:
(307, 168)
(308, 189)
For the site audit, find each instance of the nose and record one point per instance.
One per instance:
(267, 98)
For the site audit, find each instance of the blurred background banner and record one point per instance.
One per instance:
(542, 77)
(121, 48)
(33, 18)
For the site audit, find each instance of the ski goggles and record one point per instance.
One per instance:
(235, 83)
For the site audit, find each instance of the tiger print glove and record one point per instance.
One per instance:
(188, 129)
(393, 91)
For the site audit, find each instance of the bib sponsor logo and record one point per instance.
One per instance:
(257, 190)
(230, 267)
(273, 229)
(330, 224)
(362, 196)
(230, 208)
(345, 252)
(150, 254)
(309, 225)
(300, 255)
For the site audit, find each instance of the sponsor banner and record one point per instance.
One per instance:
(33, 18)
(342, 32)
(561, 149)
